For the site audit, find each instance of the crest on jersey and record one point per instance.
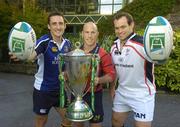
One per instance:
(54, 49)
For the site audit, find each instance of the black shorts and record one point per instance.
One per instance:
(98, 105)
(43, 101)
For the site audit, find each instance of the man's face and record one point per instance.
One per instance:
(90, 34)
(56, 26)
(122, 28)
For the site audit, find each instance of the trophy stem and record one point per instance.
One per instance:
(79, 110)
(78, 98)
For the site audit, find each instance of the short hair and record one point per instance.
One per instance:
(55, 14)
(92, 23)
(120, 14)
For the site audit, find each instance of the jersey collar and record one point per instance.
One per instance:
(94, 50)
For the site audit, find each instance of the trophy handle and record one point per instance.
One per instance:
(95, 73)
(62, 81)
(95, 69)
(77, 45)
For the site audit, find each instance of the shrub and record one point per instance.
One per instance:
(5, 26)
(168, 75)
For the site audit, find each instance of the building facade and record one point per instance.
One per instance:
(77, 12)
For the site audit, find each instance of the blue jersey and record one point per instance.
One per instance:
(46, 78)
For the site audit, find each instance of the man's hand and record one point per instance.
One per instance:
(13, 57)
(31, 57)
(96, 81)
(112, 89)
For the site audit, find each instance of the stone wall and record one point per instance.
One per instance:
(18, 68)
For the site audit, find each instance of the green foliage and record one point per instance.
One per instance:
(168, 75)
(106, 42)
(11, 14)
(106, 27)
(6, 23)
(36, 17)
(74, 39)
(144, 10)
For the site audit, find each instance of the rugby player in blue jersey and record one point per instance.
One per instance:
(47, 85)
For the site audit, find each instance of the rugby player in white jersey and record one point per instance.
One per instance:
(136, 88)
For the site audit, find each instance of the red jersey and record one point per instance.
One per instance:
(106, 66)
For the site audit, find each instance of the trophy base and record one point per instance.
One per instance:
(79, 111)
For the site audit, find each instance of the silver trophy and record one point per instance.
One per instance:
(79, 68)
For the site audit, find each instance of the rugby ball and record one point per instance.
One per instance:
(21, 40)
(158, 39)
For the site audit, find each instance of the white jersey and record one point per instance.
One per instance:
(135, 72)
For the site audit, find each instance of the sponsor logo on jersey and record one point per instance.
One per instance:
(125, 65)
(56, 60)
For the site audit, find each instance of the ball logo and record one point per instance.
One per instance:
(18, 45)
(157, 42)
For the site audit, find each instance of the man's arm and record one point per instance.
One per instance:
(112, 88)
(32, 57)
(103, 79)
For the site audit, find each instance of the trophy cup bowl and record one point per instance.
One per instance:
(78, 68)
